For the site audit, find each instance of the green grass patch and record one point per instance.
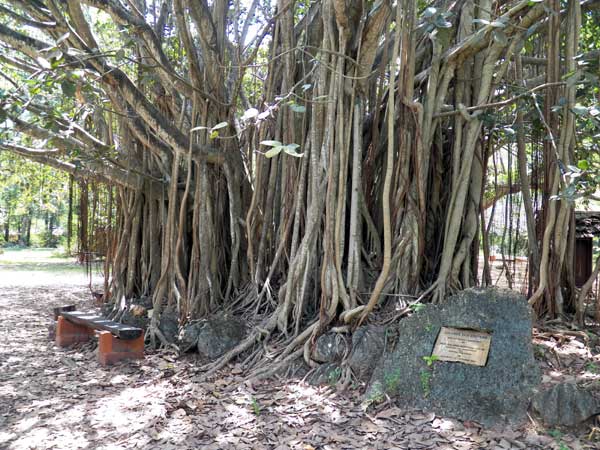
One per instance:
(38, 259)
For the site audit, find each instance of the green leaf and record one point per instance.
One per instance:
(583, 164)
(68, 88)
(214, 134)
(219, 126)
(274, 151)
(3, 115)
(416, 307)
(271, 143)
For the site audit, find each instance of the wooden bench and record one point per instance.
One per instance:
(116, 341)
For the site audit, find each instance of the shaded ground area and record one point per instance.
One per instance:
(63, 399)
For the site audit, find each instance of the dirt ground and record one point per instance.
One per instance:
(52, 398)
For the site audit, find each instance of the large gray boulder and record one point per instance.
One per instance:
(368, 343)
(188, 336)
(565, 404)
(169, 323)
(498, 392)
(219, 334)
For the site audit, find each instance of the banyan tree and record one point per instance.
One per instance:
(303, 162)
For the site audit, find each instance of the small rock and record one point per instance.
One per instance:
(135, 315)
(52, 331)
(330, 347)
(328, 373)
(565, 404)
(138, 311)
(295, 369)
(178, 413)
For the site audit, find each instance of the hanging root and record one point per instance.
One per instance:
(350, 315)
(153, 334)
(345, 379)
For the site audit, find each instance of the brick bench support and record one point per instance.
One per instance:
(68, 333)
(111, 349)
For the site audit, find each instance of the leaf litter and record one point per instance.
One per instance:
(53, 398)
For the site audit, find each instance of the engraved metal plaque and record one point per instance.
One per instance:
(462, 345)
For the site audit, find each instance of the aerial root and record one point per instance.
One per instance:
(153, 334)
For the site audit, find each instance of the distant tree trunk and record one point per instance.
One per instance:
(20, 231)
(51, 228)
(92, 225)
(29, 219)
(83, 219)
(70, 216)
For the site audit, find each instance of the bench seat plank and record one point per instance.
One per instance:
(100, 323)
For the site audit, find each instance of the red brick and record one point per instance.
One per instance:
(68, 333)
(111, 349)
